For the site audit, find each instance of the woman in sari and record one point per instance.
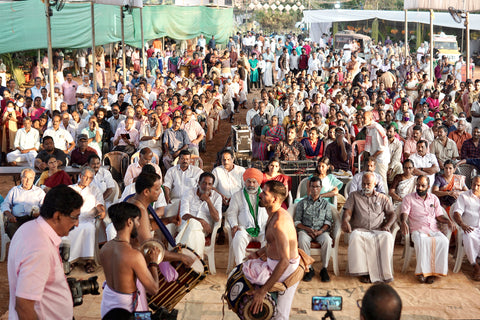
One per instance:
(184, 64)
(403, 183)
(273, 171)
(196, 66)
(330, 184)
(53, 176)
(11, 120)
(173, 63)
(448, 186)
(313, 144)
(253, 71)
(271, 135)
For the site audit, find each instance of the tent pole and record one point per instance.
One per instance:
(94, 56)
(406, 34)
(111, 63)
(467, 31)
(144, 67)
(432, 76)
(50, 56)
(123, 48)
(39, 61)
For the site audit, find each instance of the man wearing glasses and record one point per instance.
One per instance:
(38, 288)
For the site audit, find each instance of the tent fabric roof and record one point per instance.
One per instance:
(26, 27)
(439, 19)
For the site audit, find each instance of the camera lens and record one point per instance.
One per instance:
(90, 286)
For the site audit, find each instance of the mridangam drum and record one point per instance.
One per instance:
(170, 293)
(238, 300)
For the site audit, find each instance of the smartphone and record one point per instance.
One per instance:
(142, 315)
(324, 303)
(127, 136)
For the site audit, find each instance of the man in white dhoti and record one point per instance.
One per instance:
(82, 238)
(27, 144)
(368, 216)
(376, 143)
(244, 215)
(467, 216)
(422, 210)
(200, 208)
(313, 220)
(279, 260)
(268, 73)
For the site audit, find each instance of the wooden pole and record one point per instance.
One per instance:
(432, 75)
(123, 48)
(111, 63)
(467, 31)
(50, 56)
(144, 65)
(94, 56)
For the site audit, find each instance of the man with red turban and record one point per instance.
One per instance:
(247, 220)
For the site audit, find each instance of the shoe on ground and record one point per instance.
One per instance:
(421, 278)
(364, 279)
(309, 275)
(430, 279)
(324, 275)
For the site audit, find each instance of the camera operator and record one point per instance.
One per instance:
(128, 273)
(38, 288)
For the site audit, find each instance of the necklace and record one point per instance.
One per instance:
(120, 240)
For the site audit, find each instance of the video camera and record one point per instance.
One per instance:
(79, 288)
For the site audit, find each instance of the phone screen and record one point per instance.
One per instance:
(322, 303)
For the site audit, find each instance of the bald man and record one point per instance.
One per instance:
(369, 216)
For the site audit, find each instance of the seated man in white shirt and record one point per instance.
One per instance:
(103, 180)
(151, 134)
(244, 215)
(62, 139)
(27, 144)
(180, 178)
(425, 162)
(82, 238)
(194, 131)
(200, 208)
(228, 178)
(467, 216)
(133, 170)
(126, 138)
(357, 179)
(22, 202)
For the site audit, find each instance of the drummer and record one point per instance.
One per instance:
(280, 258)
(128, 273)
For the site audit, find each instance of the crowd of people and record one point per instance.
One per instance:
(411, 130)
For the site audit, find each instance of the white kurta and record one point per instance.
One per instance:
(238, 214)
(191, 231)
(228, 182)
(82, 238)
(179, 181)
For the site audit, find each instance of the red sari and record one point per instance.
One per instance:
(58, 178)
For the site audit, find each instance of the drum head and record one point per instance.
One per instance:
(199, 266)
(266, 313)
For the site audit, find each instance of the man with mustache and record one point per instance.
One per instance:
(422, 210)
(127, 271)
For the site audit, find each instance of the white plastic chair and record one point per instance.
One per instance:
(302, 188)
(4, 238)
(346, 191)
(410, 249)
(459, 250)
(209, 251)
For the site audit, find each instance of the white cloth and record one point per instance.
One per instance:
(82, 238)
(154, 145)
(370, 253)
(61, 137)
(258, 272)
(228, 182)
(377, 140)
(238, 214)
(179, 181)
(20, 201)
(432, 253)
(468, 206)
(191, 231)
(268, 74)
(112, 299)
(103, 180)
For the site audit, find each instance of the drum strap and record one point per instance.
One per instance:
(297, 275)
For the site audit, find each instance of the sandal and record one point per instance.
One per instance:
(89, 267)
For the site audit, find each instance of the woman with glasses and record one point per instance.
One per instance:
(403, 183)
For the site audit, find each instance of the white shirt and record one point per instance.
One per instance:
(238, 213)
(193, 129)
(27, 140)
(61, 137)
(228, 182)
(103, 180)
(377, 140)
(20, 201)
(134, 171)
(294, 61)
(250, 114)
(92, 197)
(427, 161)
(468, 206)
(149, 131)
(114, 122)
(179, 181)
(191, 204)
